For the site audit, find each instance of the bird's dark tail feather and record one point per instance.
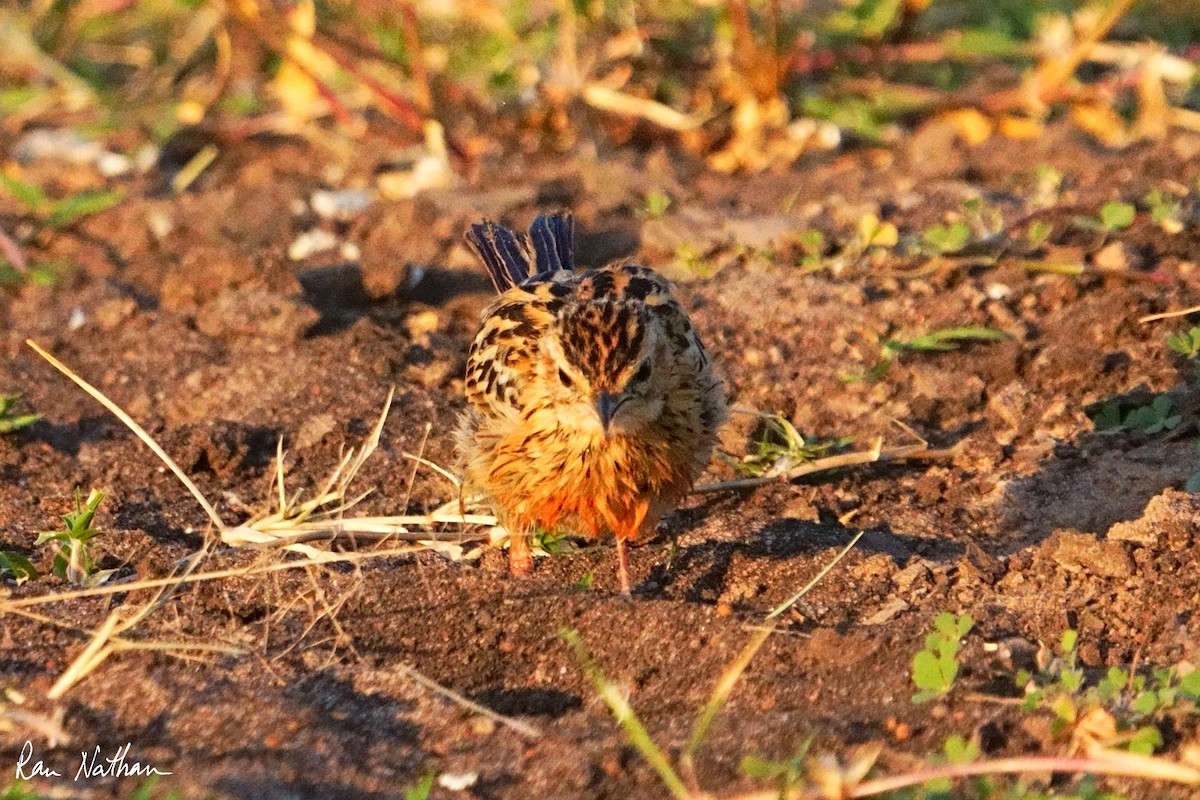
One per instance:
(512, 258)
(553, 242)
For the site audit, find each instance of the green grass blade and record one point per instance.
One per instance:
(639, 737)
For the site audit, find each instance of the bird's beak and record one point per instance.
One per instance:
(606, 407)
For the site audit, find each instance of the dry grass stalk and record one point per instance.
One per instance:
(1115, 763)
(873, 455)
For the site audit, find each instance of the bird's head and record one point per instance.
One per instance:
(603, 366)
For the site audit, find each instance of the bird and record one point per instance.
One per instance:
(592, 405)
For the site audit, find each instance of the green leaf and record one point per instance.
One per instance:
(927, 671)
(758, 767)
(1108, 418)
(960, 750)
(1113, 683)
(82, 205)
(948, 238)
(657, 203)
(27, 194)
(1190, 683)
(1116, 215)
(946, 339)
(52, 536)
(812, 242)
(1186, 343)
(1064, 708)
(985, 42)
(421, 790)
(1069, 639)
(18, 566)
(1039, 232)
(953, 627)
(10, 424)
(9, 421)
(1145, 703)
(1146, 741)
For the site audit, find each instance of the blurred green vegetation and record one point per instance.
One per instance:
(156, 65)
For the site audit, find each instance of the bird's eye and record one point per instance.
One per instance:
(565, 378)
(643, 372)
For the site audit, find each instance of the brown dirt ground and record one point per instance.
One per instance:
(219, 344)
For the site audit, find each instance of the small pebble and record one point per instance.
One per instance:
(160, 224)
(114, 165)
(44, 143)
(457, 781)
(341, 205)
(997, 291)
(309, 242)
(482, 726)
(1113, 257)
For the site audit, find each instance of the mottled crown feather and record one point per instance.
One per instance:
(602, 338)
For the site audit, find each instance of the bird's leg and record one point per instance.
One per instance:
(520, 557)
(623, 567)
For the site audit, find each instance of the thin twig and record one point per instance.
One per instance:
(1183, 312)
(523, 728)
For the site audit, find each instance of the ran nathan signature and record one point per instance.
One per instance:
(91, 765)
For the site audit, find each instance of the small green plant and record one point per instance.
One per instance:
(779, 448)
(17, 566)
(690, 258)
(937, 341)
(872, 232)
(1131, 703)
(947, 239)
(1166, 210)
(1047, 185)
(554, 541)
(74, 561)
(37, 274)
(1186, 343)
(1038, 233)
(59, 213)
(812, 246)
(10, 420)
(421, 790)
(1153, 417)
(50, 213)
(986, 221)
(1114, 216)
(20, 790)
(656, 204)
(1193, 483)
(935, 668)
(785, 775)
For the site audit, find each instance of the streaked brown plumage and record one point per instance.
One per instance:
(593, 405)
